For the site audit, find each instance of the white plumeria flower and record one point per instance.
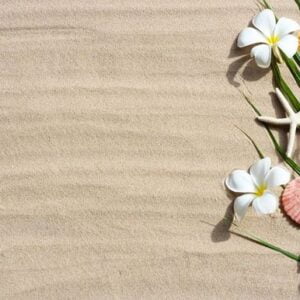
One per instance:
(271, 36)
(256, 187)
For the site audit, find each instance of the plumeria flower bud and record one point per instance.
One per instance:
(271, 36)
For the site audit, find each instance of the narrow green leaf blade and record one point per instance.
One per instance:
(266, 244)
(297, 58)
(277, 147)
(266, 4)
(259, 152)
(292, 67)
(283, 85)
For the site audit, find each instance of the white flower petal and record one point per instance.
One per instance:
(241, 204)
(250, 36)
(262, 54)
(240, 181)
(265, 21)
(285, 26)
(266, 204)
(260, 170)
(277, 176)
(289, 45)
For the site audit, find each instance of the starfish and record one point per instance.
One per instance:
(292, 119)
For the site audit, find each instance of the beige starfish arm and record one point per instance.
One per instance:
(270, 120)
(292, 137)
(286, 105)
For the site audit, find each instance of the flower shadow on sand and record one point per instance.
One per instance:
(221, 231)
(244, 66)
(244, 69)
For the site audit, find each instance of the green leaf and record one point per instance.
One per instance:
(266, 244)
(265, 4)
(292, 67)
(283, 85)
(298, 3)
(278, 148)
(297, 58)
(260, 154)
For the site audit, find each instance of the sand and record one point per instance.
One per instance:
(117, 131)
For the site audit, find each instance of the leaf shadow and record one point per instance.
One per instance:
(297, 152)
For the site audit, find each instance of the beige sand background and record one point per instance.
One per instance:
(117, 130)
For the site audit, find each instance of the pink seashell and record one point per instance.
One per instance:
(291, 200)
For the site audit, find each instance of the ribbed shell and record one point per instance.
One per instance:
(291, 200)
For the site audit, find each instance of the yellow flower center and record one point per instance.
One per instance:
(261, 189)
(273, 39)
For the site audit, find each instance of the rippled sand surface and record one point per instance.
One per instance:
(117, 128)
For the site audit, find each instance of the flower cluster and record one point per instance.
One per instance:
(275, 41)
(275, 44)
